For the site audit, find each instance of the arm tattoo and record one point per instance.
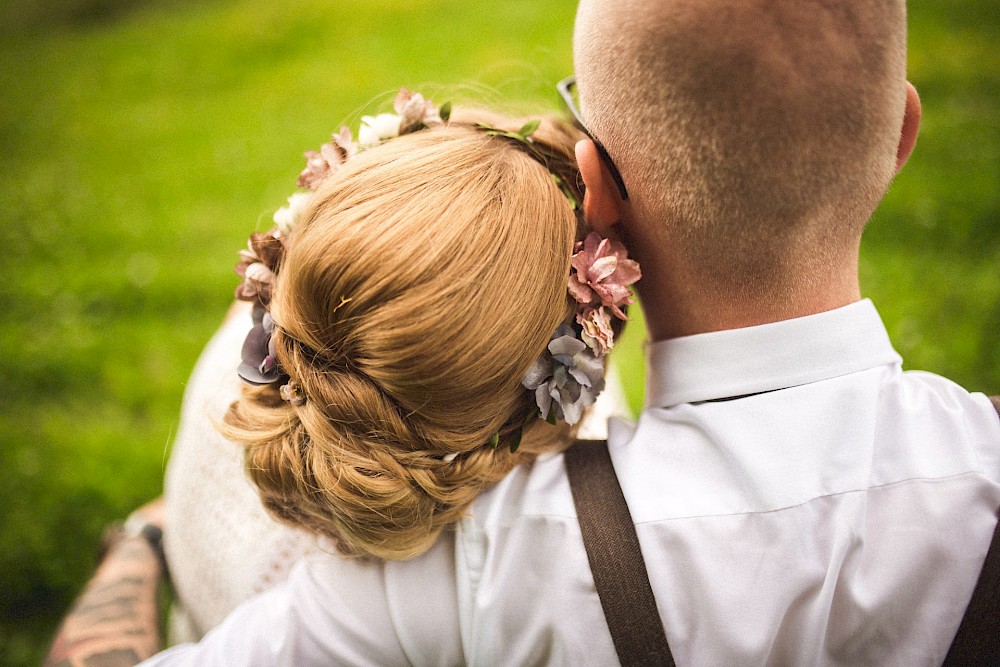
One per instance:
(115, 621)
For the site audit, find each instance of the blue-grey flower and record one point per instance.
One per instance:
(566, 378)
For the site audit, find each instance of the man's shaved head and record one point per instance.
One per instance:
(747, 129)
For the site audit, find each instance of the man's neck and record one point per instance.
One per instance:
(676, 303)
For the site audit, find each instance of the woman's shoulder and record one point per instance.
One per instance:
(215, 370)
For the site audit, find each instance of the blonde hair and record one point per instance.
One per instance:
(429, 274)
(749, 132)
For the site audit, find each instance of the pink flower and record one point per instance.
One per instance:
(414, 111)
(328, 159)
(316, 169)
(293, 393)
(600, 274)
(257, 266)
(597, 332)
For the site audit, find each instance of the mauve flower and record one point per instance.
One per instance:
(597, 332)
(342, 147)
(329, 158)
(566, 378)
(259, 365)
(316, 169)
(376, 129)
(292, 393)
(601, 273)
(257, 266)
(415, 112)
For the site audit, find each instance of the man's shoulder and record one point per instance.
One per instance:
(930, 393)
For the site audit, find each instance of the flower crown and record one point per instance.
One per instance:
(569, 374)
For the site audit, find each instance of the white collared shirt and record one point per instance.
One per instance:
(799, 500)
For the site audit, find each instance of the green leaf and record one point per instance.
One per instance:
(516, 440)
(516, 136)
(495, 440)
(574, 204)
(445, 111)
(493, 132)
(529, 128)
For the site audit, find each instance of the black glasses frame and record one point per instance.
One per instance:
(566, 88)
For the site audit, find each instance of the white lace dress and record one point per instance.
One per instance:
(221, 546)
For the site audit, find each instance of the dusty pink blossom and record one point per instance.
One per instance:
(316, 169)
(329, 158)
(293, 393)
(342, 148)
(414, 111)
(258, 264)
(601, 273)
(597, 332)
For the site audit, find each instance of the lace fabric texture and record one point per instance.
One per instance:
(221, 545)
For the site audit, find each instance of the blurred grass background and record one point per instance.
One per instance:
(140, 140)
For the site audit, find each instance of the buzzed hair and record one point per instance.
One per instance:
(749, 129)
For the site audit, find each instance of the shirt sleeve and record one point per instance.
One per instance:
(984, 426)
(331, 611)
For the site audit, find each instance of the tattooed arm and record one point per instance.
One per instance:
(115, 621)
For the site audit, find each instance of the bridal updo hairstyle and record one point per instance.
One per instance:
(426, 277)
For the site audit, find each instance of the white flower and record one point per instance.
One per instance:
(376, 129)
(258, 272)
(287, 217)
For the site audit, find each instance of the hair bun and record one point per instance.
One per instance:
(414, 295)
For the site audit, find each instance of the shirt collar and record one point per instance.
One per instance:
(736, 362)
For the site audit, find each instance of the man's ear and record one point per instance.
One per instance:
(601, 202)
(911, 124)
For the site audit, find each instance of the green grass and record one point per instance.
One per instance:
(140, 140)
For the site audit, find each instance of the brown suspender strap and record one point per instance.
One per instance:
(977, 641)
(615, 559)
(627, 598)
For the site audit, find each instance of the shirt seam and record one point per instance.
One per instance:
(553, 515)
(834, 494)
(977, 442)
